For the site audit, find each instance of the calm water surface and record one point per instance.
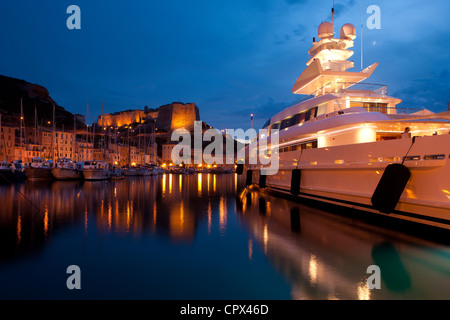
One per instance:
(199, 237)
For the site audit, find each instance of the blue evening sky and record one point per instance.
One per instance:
(231, 58)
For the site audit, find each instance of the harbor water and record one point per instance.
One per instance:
(200, 236)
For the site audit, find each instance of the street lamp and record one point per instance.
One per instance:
(251, 127)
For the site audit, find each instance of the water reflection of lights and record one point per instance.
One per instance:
(265, 238)
(19, 229)
(155, 211)
(250, 249)
(222, 214)
(313, 269)
(109, 215)
(208, 177)
(199, 184)
(164, 184)
(45, 221)
(363, 290)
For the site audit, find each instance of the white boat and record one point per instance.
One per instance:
(95, 170)
(349, 145)
(39, 169)
(66, 169)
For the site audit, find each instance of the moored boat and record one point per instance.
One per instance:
(18, 170)
(347, 145)
(131, 171)
(95, 170)
(66, 169)
(39, 169)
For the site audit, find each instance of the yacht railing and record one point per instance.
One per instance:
(370, 89)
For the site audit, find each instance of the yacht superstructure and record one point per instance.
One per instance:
(350, 145)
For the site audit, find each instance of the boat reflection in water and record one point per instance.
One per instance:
(46, 226)
(326, 256)
(191, 237)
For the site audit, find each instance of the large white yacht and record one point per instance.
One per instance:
(349, 144)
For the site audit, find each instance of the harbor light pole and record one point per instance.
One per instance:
(251, 127)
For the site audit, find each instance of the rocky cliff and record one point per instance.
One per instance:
(33, 95)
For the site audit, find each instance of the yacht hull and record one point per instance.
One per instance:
(66, 174)
(95, 174)
(349, 175)
(39, 173)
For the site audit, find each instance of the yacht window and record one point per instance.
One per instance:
(299, 118)
(276, 125)
(375, 107)
(311, 114)
(306, 145)
(286, 123)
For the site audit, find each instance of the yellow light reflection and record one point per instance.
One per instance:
(109, 216)
(208, 181)
(128, 216)
(447, 193)
(164, 184)
(180, 182)
(363, 291)
(222, 214)
(265, 238)
(170, 183)
(410, 194)
(313, 269)
(154, 213)
(45, 221)
(199, 184)
(19, 229)
(214, 183)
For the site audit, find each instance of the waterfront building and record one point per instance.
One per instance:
(7, 143)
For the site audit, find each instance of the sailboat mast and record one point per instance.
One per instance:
(362, 28)
(53, 134)
(21, 129)
(139, 144)
(74, 157)
(36, 133)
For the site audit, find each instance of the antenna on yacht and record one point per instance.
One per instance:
(362, 27)
(332, 16)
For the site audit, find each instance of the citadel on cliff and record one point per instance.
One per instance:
(32, 124)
